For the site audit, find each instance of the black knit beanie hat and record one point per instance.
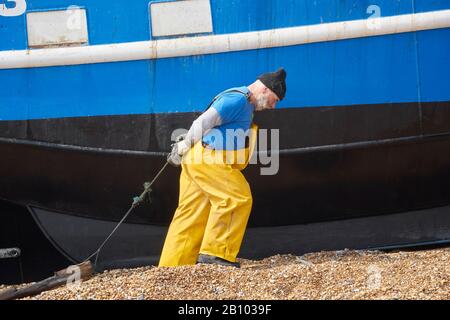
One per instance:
(275, 81)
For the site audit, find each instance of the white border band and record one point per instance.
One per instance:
(190, 46)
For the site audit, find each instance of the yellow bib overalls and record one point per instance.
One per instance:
(214, 205)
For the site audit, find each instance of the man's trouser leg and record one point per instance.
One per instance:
(186, 230)
(211, 218)
(231, 202)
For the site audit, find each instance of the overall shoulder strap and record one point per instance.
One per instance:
(247, 95)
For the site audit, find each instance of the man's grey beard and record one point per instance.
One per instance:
(262, 102)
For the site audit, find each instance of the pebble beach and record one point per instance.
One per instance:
(337, 275)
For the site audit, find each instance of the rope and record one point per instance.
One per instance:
(136, 202)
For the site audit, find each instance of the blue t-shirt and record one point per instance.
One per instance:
(236, 113)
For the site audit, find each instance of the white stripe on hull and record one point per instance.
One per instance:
(190, 46)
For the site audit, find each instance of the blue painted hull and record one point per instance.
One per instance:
(399, 68)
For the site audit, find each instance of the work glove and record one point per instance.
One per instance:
(179, 149)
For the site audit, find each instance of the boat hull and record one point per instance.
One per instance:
(377, 193)
(322, 176)
(136, 245)
(38, 258)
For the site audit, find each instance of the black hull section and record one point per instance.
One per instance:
(299, 127)
(336, 165)
(312, 185)
(135, 245)
(38, 257)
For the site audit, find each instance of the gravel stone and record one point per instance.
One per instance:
(343, 274)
